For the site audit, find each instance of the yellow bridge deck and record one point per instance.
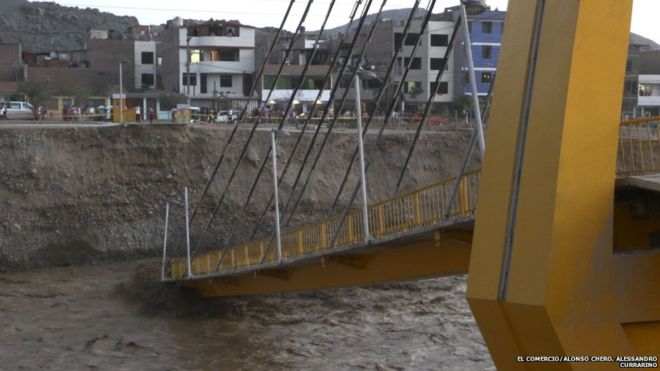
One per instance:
(420, 211)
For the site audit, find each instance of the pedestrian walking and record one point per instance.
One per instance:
(152, 115)
(35, 113)
(3, 112)
(138, 114)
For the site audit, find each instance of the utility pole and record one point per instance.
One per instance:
(363, 173)
(473, 82)
(278, 233)
(188, 67)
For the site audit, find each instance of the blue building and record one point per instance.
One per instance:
(486, 31)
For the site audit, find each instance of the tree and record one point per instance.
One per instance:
(35, 93)
(462, 104)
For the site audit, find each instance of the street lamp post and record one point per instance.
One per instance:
(278, 231)
(121, 90)
(367, 75)
(473, 7)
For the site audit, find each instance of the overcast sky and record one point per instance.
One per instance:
(270, 12)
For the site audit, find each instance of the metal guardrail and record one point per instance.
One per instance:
(639, 147)
(409, 211)
(639, 153)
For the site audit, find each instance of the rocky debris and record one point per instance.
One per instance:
(47, 26)
(76, 196)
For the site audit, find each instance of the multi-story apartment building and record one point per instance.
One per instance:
(209, 60)
(146, 64)
(425, 66)
(427, 62)
(12, 69)
(486, 31)
(303, 48)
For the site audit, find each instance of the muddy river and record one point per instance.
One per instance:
(111, 318)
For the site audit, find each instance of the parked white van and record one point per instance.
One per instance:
(19, 110)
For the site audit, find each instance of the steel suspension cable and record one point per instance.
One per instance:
(485, 113)
(333, 93)
(290, 104)
(400, 85)
(429, 104)
(327, 78)
(331, 126)
(385, 86)
(235, 129)
(257, 121)
(382, 129)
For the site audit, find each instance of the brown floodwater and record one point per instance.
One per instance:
(107, 317)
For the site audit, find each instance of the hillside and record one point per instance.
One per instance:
(393, 14)
(46, 26)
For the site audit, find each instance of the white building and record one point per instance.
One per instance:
(146, 64)
(209, 60)
(648, 102)
(428, 59)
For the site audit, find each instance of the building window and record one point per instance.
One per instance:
(398, 67)
(226, 81)
(283, 83)
(437, 63)
(204, 83)
(147, 79)
(345, 82)
(411, 38)
(147, 58)
(228, 55)
(439, 40)
(416, 63)
(413, 87)
(195, 56)
(645, 90)
(371, 84)
(221, 55)
(398, 38)
(486, 77)
(444, 88)
(193, 79)
(486, 52)
(487, 27)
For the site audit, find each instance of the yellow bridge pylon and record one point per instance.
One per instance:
(545, 278)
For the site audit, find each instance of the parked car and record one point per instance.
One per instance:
(19, 111)
(227, 117)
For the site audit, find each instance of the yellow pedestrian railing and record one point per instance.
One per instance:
(639, 147)
(417, 209)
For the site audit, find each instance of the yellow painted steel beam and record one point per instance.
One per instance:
(544, 278)
(448, 254)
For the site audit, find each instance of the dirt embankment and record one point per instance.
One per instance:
(71, 196)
